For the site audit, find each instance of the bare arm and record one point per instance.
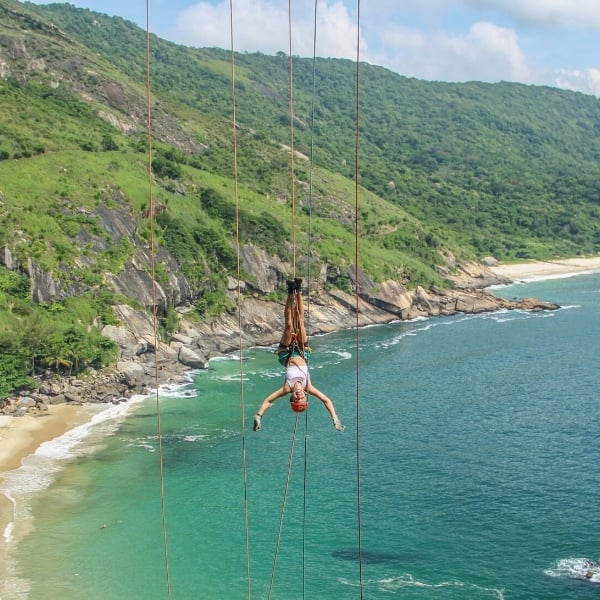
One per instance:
(268, 401)
(311, 389)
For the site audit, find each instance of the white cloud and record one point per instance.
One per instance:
(555, 13)
(586, 80)
(260, 25)
(337, 32)
(486, 53)
(413, 39)
(493, 50)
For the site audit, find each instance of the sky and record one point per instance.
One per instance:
(540, 42)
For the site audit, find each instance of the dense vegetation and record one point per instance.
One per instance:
(468, 169)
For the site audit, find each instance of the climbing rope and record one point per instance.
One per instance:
(239, 306)
(283, 507)
(292, 150)
(296, 311)
(309, 258)
(356, 298)
(155, 303)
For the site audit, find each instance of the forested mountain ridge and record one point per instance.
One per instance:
(463, 170)
(512, 169)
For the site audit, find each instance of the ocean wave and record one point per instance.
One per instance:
(232, 377)
(39, 470)
(226, 358)
(339, 354)
(398, 338)
(575, 568)
(393, 584)
(570, 306)
(499, 316)
(538, 278)
(174, 390)
(150, 442)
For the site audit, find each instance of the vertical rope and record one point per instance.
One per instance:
(283, 506)
(304, 512)
(309, 258)
(293, 239)
(239, 309)
(356, 296)
(296, 314)
(155, 303)
(292, 151)
(311, 164)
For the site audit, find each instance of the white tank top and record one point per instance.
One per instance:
(295, 373)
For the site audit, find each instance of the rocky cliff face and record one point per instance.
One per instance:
(110, 225)
(147, 360)
(256, 321)
(260, 322)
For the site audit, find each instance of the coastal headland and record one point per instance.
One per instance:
(20, 436)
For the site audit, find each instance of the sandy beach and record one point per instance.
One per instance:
(547, 269)
(22, 436)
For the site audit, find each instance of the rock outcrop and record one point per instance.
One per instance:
(146, 360)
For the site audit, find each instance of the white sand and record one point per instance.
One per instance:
(22, 436)
(547, 269)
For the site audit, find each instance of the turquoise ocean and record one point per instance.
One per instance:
(479, 478)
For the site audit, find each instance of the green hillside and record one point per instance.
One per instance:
(510, 169)
(467, 170)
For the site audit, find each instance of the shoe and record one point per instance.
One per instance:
(257, 420)
(291, 287)
(338, 425)
(298, 284)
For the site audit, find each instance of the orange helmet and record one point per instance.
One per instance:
(298, 406)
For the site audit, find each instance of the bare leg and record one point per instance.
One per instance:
(302, 337)
(288, 314)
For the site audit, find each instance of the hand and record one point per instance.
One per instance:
(338, 425)
(257, 420)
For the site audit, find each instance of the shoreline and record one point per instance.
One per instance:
(546, 269)
(22, 436)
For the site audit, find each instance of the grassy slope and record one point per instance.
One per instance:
(473, 169)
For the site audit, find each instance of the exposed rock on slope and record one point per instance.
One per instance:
(146, 360)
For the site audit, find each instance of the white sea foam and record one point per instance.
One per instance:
(38, 471)
(227, 358)
(341, 354)
(570, 306)
(575, 568)
(545, 277)
(391, 585)
(233, 377)
(417, 319)
(194, 438)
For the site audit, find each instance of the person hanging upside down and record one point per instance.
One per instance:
(293, 353)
